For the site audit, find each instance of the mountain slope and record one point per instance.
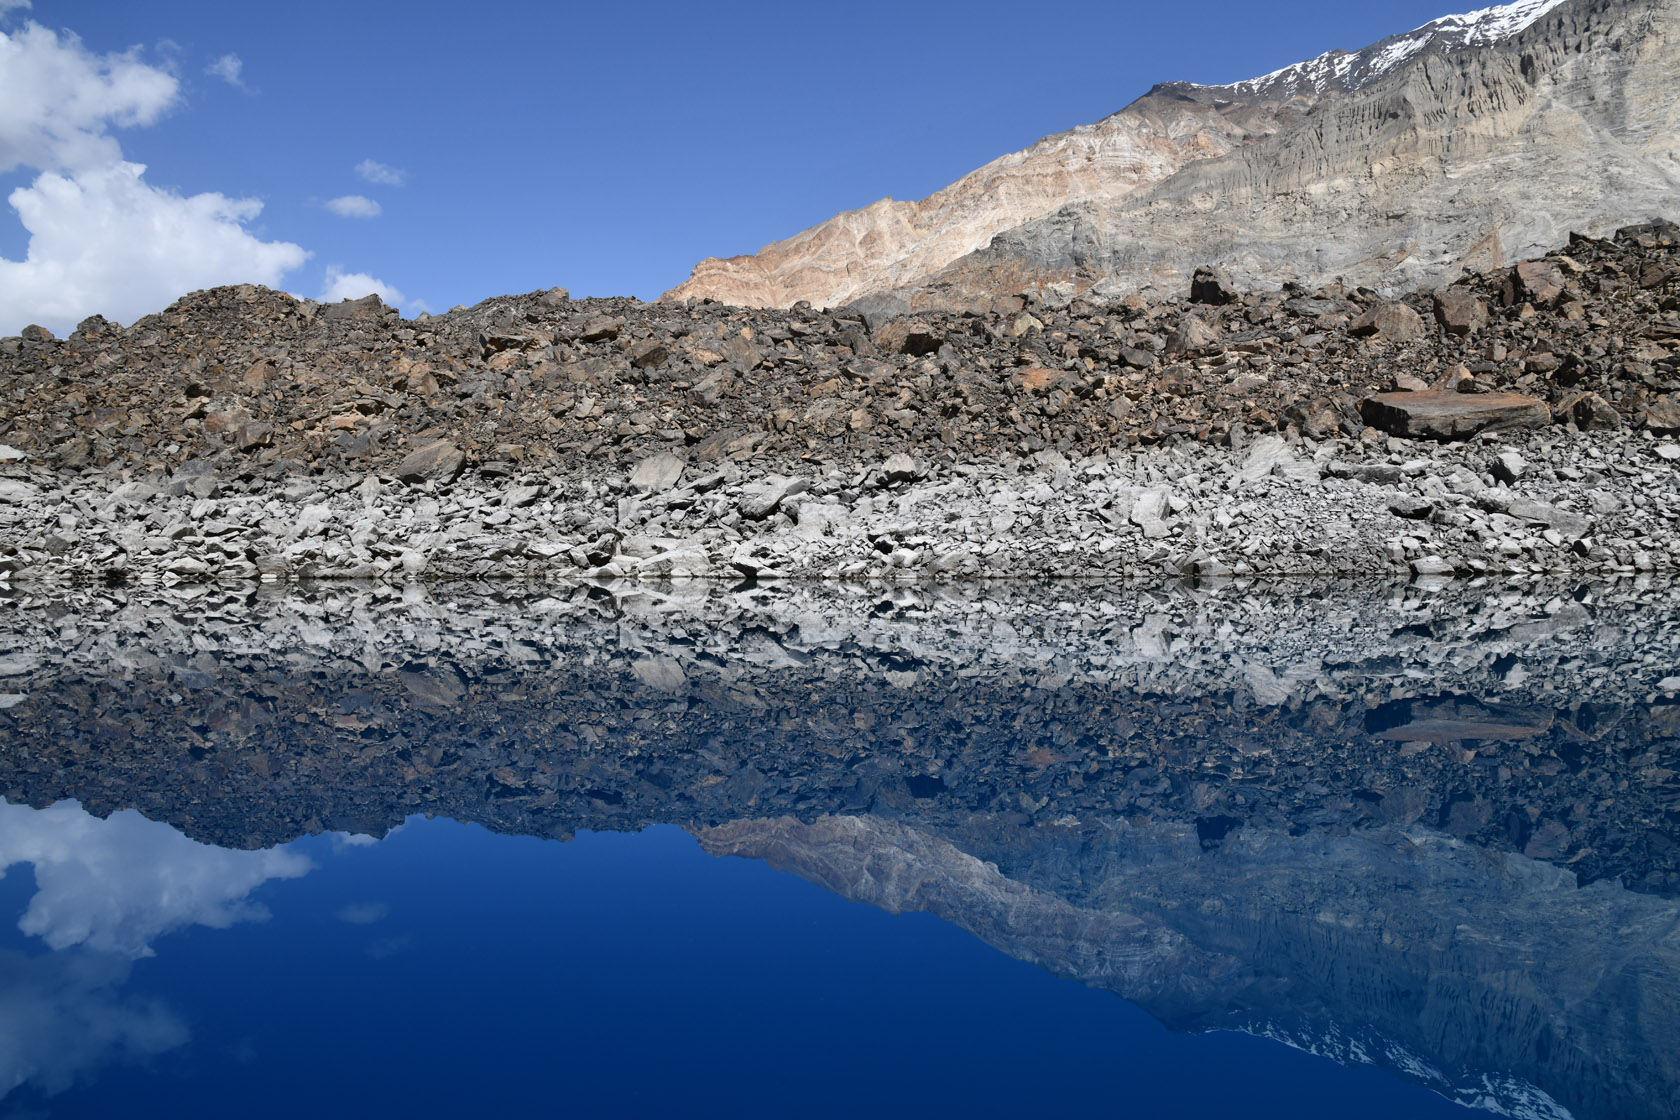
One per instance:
(1459, 144)
(1456, 161)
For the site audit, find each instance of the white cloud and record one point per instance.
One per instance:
(8, 5)
(230, 69)
(57, 98)
(353, 206)
(115, 885)
(375, 172)
(62, 1017)
(354, 285)
(103, 240)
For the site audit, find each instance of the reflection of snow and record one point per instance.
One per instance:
(1501, 1094)
(61, 1016)
(114, 885)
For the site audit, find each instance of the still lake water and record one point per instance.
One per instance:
(1269, 849)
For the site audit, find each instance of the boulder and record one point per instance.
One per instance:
(602, 328)
(438, 461)
(1508, 467)
(1536, 282)
(899, 468)
(1663, 414)
(657, 473)
(761, 503)
(1591, 412)
(1211, 284)
(368, 307)
(907, 336)
(1392, 321)
(650, 355)
(1450, 416)
(1460, 312)
(1194, 337)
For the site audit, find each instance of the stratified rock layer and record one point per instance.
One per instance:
(1460, 147)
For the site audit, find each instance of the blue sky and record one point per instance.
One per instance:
(603, 148)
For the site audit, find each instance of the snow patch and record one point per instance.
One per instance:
(1347, 70)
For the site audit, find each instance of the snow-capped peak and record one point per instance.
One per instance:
(1349, 70)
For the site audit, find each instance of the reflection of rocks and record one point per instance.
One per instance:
(1455, 719)
(1489, 978)
(1250, 805)
(247, 724)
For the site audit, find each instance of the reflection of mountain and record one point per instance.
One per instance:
(1450, 965)
(1242, 806)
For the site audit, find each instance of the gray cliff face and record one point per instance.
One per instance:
(1459, 146)
(1456, 161)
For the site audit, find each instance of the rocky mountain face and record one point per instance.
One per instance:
(1426, 827)
(892, 244)
(1466, 144)
(1522, 420)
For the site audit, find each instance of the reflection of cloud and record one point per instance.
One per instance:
(116, 884)
(61, 1016)
(363, 913)
(389, 947)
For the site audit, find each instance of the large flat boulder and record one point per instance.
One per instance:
(1448, 416)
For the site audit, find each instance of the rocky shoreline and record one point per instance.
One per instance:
(1523, 421)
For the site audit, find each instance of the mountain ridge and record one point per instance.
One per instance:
(1516, 97)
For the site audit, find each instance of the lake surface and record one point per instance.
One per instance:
(1303, 849)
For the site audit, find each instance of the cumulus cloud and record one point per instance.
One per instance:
(354, 285)
(105, 240)
(8, 5)
(116, 885)
(230, 69)
(62, 1017)
(101, 239)
(57, 99)
(353, 206)
(375, 172)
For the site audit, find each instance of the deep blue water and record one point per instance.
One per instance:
(446, 970)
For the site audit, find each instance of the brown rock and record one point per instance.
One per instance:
(601, 329)
(1195, 336)
(1037, 380)
(650, 356)
(368, 307)
(1592, 412)
(1211, 284)
(1460, 312)
(907, 336)
(1663, 414)
(1449, 416)
(439, 461)
(1536, 282)
(1393, 321)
